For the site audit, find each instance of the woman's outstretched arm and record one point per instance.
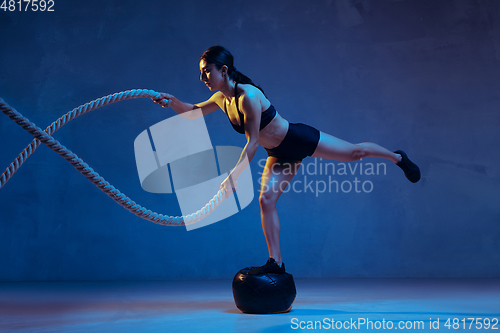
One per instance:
(180, 107)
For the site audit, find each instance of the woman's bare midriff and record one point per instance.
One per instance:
(272, 135)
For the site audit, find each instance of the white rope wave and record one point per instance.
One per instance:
(45, 136)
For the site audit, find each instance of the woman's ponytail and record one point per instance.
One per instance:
(220, 56)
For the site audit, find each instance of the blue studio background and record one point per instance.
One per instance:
(418, 75)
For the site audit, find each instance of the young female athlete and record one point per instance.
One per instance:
(251, 113)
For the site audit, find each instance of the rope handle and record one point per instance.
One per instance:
(45, 136)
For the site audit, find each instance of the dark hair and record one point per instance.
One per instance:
(220, 56)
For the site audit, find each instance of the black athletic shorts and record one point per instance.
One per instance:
(300, 141)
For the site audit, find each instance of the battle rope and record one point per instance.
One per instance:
(46, 138)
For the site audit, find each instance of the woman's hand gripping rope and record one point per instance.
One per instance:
(228, 186)
(164, 99)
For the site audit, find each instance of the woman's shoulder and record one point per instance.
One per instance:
(250, 91)
(217, 98)
(251, 95)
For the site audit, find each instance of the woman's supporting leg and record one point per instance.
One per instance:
(275, 178)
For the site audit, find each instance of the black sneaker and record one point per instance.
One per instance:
(411, 170)
(270, 267)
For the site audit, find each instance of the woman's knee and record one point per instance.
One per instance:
(358, 152)
(268, 200)
(337, 149)
(355, 152)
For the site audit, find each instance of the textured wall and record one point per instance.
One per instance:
(417, 75)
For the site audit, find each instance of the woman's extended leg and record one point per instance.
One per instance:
(275, 178)
(332, 148)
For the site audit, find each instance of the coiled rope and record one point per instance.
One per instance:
(82, 167)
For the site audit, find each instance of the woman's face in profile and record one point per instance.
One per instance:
(210, 75)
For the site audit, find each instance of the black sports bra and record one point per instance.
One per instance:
(265, 118)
